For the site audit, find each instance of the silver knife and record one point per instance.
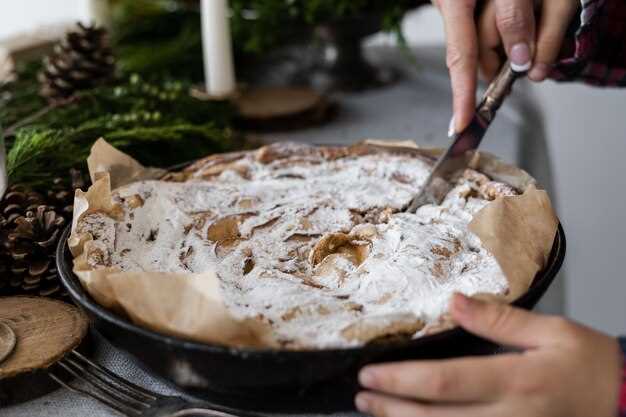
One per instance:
(465, 143)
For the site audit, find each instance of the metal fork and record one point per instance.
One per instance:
(123, 396)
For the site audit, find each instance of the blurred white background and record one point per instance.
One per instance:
(26, 15)
(587, 140)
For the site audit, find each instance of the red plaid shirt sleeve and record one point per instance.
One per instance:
(622, 392)
(595, 52)
(595, 49)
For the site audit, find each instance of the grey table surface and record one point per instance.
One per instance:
(417, 107)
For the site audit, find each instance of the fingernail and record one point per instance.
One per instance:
(367, 378)
(452, 127)
(362, 402)
(520, 57)
(539, 72)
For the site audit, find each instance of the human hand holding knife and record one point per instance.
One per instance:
(464, 143)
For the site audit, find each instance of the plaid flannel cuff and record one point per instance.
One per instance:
(622, 392)
(595, 51)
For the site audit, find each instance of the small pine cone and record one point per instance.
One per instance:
(30, 246)
(81, 61)
(30, 227)
(5, 262)
(61, 193)
(16, 202)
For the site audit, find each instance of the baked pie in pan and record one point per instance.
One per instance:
(310, 241)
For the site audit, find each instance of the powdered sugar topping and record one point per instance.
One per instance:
(315, 245)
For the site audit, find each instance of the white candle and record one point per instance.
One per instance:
(4, 179)
(98, 11)
(219, 73)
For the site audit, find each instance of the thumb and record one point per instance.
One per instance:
(501, 323)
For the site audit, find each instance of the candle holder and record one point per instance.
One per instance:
(340, 64)
(275, 108)
(327, 57)
(199, 92)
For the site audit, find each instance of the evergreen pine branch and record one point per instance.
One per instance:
(32, 150)
(179, 56)
(158, 123)
(20, 98)
(39, 154)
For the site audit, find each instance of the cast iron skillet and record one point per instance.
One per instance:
(275, 380)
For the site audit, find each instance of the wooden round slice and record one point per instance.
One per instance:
(44, 329)
(276, 102)
(270, 109)
(7, 341)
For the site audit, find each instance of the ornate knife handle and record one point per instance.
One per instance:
(497, 91)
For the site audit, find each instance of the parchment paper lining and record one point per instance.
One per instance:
(519, 231)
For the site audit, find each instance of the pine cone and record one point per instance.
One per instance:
(81, 61)
(61, 193)
(30, 246)
(30, 226)
(16, 202)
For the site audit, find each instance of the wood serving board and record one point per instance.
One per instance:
(45, 330)
(276, 102)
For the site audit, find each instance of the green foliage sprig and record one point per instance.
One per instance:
(161, 37)
(39, 154)
(158, 123)
(20, 98)
(260, 24)
(164, 36)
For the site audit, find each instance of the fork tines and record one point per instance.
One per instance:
(103, 385)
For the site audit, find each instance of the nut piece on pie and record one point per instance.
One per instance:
(226, 228)
(341, 244)
(311, 241)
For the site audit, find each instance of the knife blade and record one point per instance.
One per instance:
(464, 144)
